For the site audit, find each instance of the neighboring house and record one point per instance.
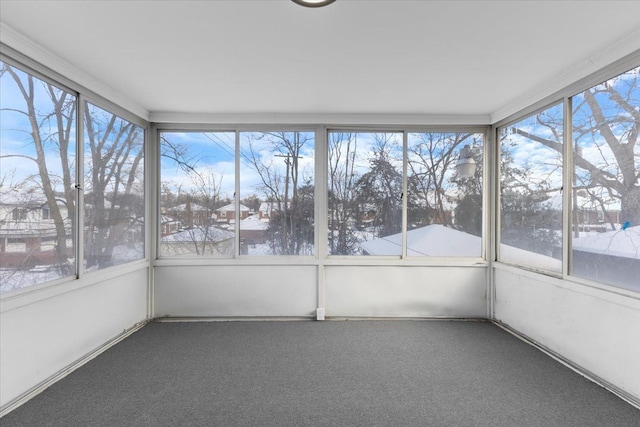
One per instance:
(27, 230)
(169, 225)
(253, 230)
(190, 214)
(587, 212)
(431, 240)
(268, 210)
(227, 213)
(594, 219)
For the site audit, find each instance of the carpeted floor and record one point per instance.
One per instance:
(332, 373)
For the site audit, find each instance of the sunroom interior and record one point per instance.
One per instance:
(203, 161)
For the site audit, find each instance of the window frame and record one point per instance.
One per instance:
(564, 96)
(321, 256)
(80, 278)
(498, 192)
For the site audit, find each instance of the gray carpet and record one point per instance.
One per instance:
(332, 373)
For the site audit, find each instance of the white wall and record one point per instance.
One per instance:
(235, 291)
(296, 291)
(407, 291)
(597, 330)
(43, 332)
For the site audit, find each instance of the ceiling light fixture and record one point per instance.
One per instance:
(313, 3)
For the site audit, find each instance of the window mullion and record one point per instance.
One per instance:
(80, 209)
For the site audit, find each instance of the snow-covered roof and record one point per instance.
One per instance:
(183, 207)
(232, 207)
(267, 207)
(12, 197)
(622, 243)
(438, 240)
(253, 222)
(164, 219)
(431, 240)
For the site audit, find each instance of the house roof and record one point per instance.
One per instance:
(194, 207)
(253, 222)
(622, 243)
(431, 240)
(231, 207)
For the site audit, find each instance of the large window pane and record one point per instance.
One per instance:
(37, 178)
(277, 193)
(606, 192)
(365, 193)
(444, 204)
(113, 189)
(197, 209)
(531, 190)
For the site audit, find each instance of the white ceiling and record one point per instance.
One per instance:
(355, 56)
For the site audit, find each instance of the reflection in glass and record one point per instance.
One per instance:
(37, 178)
(113, 189)
(606, 191)
(531, 190)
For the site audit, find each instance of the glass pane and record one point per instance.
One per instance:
(197, 187)
(37, 178)
(365, 193)
(606, 195)
(277, 190)
(113, 190)
(444, 205)
(531, 191)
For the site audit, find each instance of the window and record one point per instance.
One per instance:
(444, 203)
(113, 189)
(274, 212)
(606, 187)
(19, 214)
(277, 193)
(365, 193)
(531, 190)
(197, 171)
(37, 167)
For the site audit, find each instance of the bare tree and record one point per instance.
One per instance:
(606, 120)
(113, 153)
(431, 161)
(192, 205)
(291, 226)
(50, 129)
(113, 184)
(379, 191)
(343, 148)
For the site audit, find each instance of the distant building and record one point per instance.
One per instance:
(253, 230)
(227, 213)
(268, 210)
(190, 214)
(28, 234)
